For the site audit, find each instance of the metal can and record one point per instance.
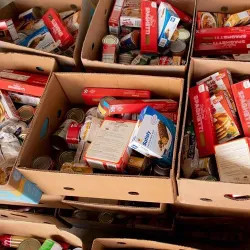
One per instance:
(106, 218)
(125, 58)
(178, 48)
(30, 243)
(184, 35)
(76, 114)
(110, 48)
(103, 105)
(92, 112)
(71, 168)
(207, 178)
(58, 139)
(43, 163)
(32, 14)
(73, 135)
(160, 170)
(130, 41)
(65, 157)
(26, 113)
(50, 245)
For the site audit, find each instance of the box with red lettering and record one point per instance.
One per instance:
(203, 121)
(149, 27)
(241, 92)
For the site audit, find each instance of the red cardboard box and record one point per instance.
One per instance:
(149, 27)
(115, 107)
(24, 77)
(241, 92)
(173, 116)
(92, 96)
(203, 120)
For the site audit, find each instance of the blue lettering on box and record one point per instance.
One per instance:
(146, 138)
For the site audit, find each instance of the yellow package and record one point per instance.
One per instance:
(238, 19)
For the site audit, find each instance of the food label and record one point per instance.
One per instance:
(109, 53)
(207, 20)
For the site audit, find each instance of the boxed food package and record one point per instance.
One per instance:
(114, 20)
(238, 19)
(8, 31)
(207, 20)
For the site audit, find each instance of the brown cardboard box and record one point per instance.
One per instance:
(34, 64)
(92, 46)
(38, 230)
(68, 88)
(18, 6)
(102, 244)
(206, 194)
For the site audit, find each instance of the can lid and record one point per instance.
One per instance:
(76, 114)
(184, 34)
(42, 162)
(110, 39)
(178, 46)
(66, 157)
(26, 113)
(29, 243)
(106, 217)
(161, 170)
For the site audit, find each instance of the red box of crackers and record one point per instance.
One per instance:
(92, 96)
(149, 27)
(241, 93)
(203, 120)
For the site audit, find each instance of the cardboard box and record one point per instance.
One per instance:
(135, 188)
(205, 194)
(33, 64)
(18, 6)
(92, 46)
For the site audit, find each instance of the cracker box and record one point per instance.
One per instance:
(238, 19)
(203, 120)
(24, 76)
(208, 20)
(149, 27)
(154, 135)
(241, 92)
(167, 24)
(8, 31)
(225, 121)
(116, 107)
(114, 20)
(72, 23)
(92, 96)
(109, 149)
(233, 161)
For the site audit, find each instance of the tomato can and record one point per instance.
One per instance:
(72, 136)
(110, 48)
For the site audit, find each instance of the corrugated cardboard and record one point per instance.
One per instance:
(38, 230)
(102, 244)
(204, 193)
(92, 46)
(68, 88)
(18, 6)
(34, 64)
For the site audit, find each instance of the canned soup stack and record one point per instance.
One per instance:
(145, 32)
(118, 131)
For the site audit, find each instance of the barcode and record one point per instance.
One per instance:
(163, 42)
(113, 30)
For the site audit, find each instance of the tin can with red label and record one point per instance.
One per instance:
(131, 41)
(58, 29)
(72, 136)
(110, 48)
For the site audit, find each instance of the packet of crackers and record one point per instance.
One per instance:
(225, 121)
(241, 92)
(208, 20)
(238, 19)
(203, 120)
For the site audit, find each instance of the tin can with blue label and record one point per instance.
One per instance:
(130, 41)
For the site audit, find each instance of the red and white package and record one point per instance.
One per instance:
(149, 27)
(115, 107)
(103, 152)
(203, 121)
(241, 92)
(24, 77)
(58, 29)
(7, 108)
(8, 31)
(73, 134)
(73, 23)
(92, 96)
(114, 20)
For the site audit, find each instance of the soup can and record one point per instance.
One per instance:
(110, 48)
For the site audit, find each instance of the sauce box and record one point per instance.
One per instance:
(8, 31)
(109, 149)
(115, 107)
(114, 20)
(92, 96)
(208, 20)
(154, 135)
(241, 92)
(233, 161)
(203, 120)
(149, 27)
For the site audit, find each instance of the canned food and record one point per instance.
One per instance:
(130, 41)
(32, 14)
(207, 178)
(71, 168)
(43, 163)
(30, 243)
(80, 214)
(125, 58)
(178, 48)
(160, 170)
(58, 139)
(75, 114)
(72, 136)
(140, 60)
(26, 113)
(102, 107)
(65, 157)
(110, 48)
(50, 245)
(106, 218)
(184, 35)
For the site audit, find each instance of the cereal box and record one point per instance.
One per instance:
(8, 31)
(225, 121)
(114, 20)
(241, 92)
(149, 27)
(203, 120)
(233, 161)
(109, 149)
(207, 20)
(167, 24)
(238, 19)
(154, 135)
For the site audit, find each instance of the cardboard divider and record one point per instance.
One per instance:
(205, 193)
(19, 6)
(92, 46)
(37, 230)
(68, 88)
